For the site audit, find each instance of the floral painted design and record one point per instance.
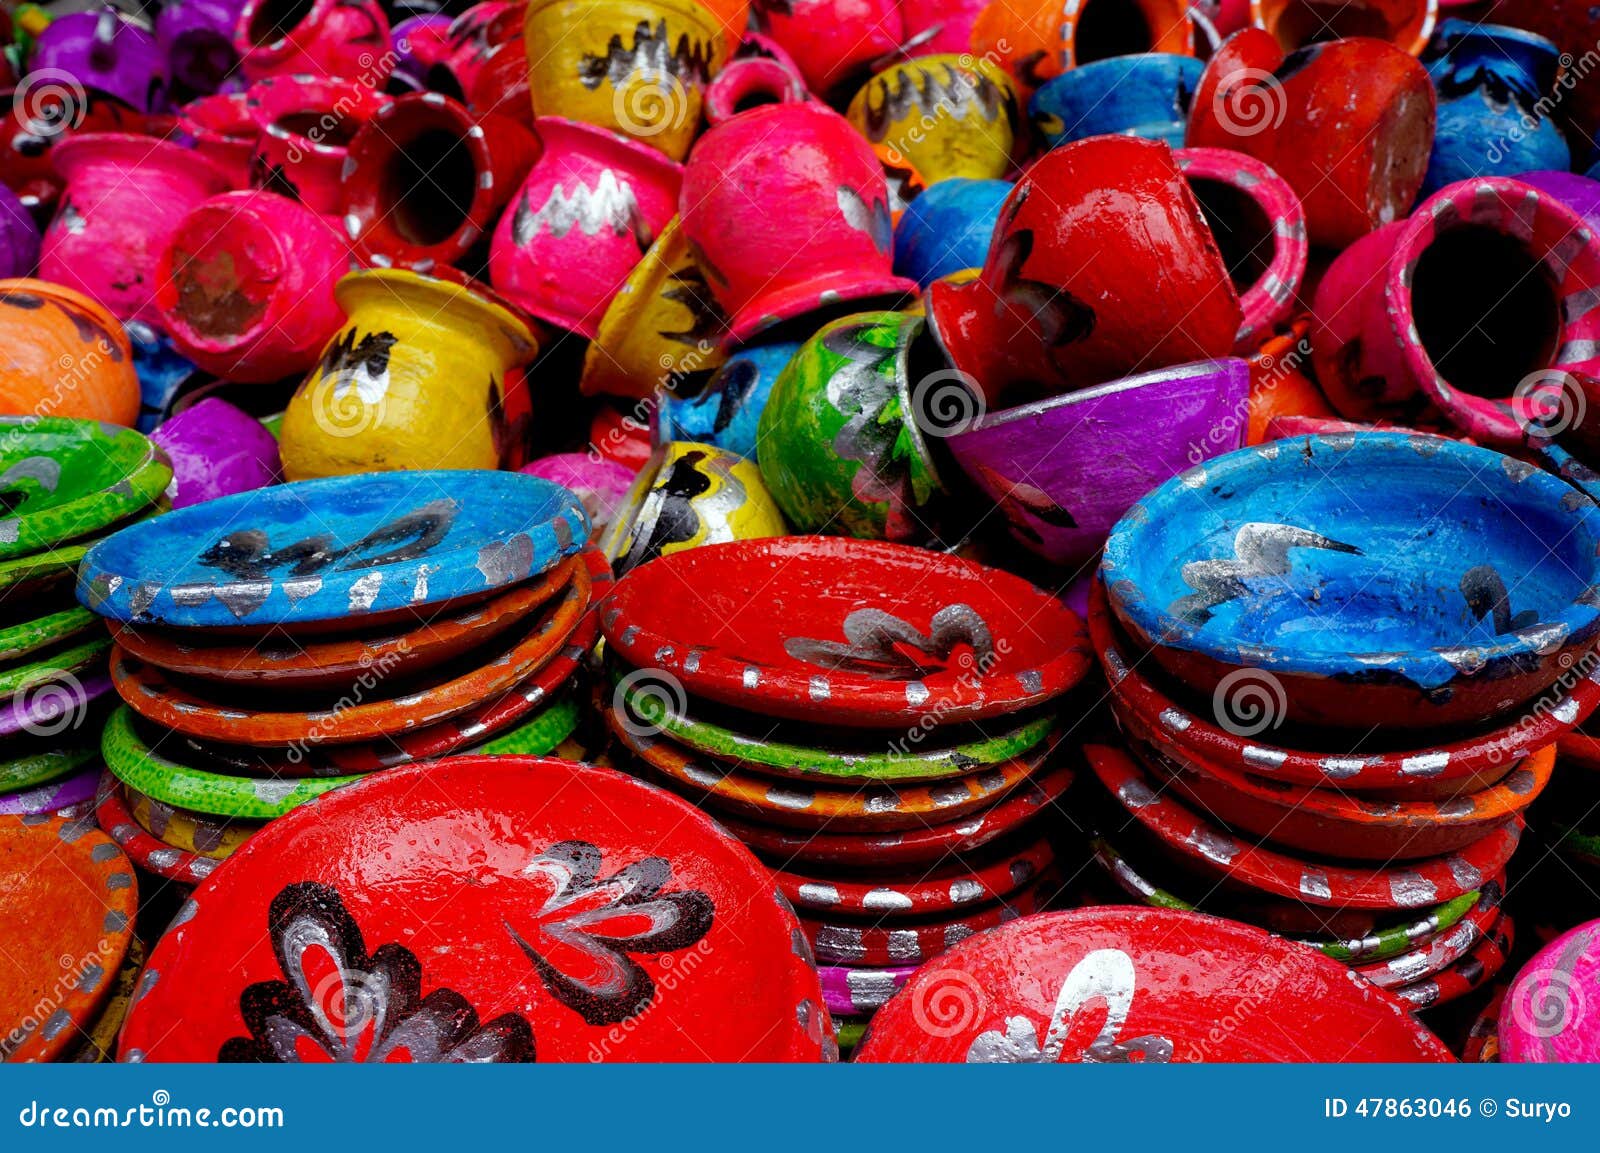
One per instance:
(883, 645)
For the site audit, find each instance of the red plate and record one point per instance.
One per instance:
(1112, 984)
(547, 910)
(844, 942)
(153, 856)
(846, 632)
(1473, 971)
(1441, 951)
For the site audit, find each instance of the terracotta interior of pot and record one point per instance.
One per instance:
(429, 179)
(1486, 309)
(1305, 22)
(1243, 230)
(274, 19)
(1109, 28)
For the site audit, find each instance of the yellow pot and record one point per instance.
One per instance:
(638, 67)
(414, 379)
(662, 330)
(943, 116)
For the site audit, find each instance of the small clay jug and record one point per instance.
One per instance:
(947, 228)
(1144, 96)
(749, 83)
(39, 117)
(346, 39)
(105, 50)
(216, 450)
(1091, 30)
(1407, 24)
(942, 116)
(306, 126)
(65, 355)
(834, 43)
(224, 131)
(196, 42)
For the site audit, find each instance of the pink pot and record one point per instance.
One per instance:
(787, 210)
(346, 39)
(475, 34)
(750, 83)
(246, 287)
(124, 198)
(588, 210)
(224, 131)
(937, 26)
(307, 124)
(832, 42)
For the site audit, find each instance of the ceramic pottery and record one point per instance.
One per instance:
(223, 131)
(1441, 640)
(1023, 38)
(153, 856)
(1544, 1017)
(501, 84)
(908, 619)
(1579, 193)
(29, 765)
(548, 732)
(750, 82)
(1282, 391)
(833, 42)
(1347, 124)
(105, 50)
(947, 228)
(843, 431)
(946, 888)
(943, 116)
(1260, 227)
(63, 798)
(306, 125)
(335, 548)
(1494, 84)
(690, 495)
(1474, 971)
(425, 180)
(197, 833)
(621, 439)
(663, 331)
(417, 378)
(333, 38)
(859, 990)
(1169, 976)
(196, 42)
(1574, 26)
(1092, 30)
(780, 232)
(1407, 24)
(1063, 471)
(470, 39)
(162, 370)
(602, 485)
(246, 287)
(727, 412)
(91, 895)
(1041, 321)
(124, 198)
(65, 355)
(421, 46)
(1145, 96)
(41, 117)
(840, 941)
(588, 210)
(19, 236)
(314, 876)
(216, 450)
(636, 67)
(39, 632)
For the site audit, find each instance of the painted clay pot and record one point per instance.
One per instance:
(421, 44)
(125, 196)
(589, 209)
(749, 83)
(1407, 24)
(225, 132)
(947, 228)
(1348, 124)
(1282, 392)
(1063, 471)
(42, 116)
(1493, 83)
(662, 331)
(617, 436)
(1575, 27)
(842, 433)
(781, 232)
(942, 116)
(1579, 193)
(471, 39)
(1546, 1015)
(1144, 96)
(1260, 227)
(638, 67)
(338, 39)
(414, 380)
(425, 180)
(1041, 321)
(602, 485)
(1092, 30)
(306, 126)
(728, 412)
(163, 372)
(216, 450)
(105, 50)
(246, 286)
(832, 42)
(19, 237)
(196, 41)
(501, 84)
(1024, 39)
(937, 27)
(65, 355)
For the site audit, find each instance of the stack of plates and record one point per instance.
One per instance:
(62, 483)
(875, 721)
(275, 645)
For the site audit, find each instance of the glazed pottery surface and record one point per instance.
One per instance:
(196, 42)
(58, 797)
(727, 412)
(216, 450)
(602, 485)
(947, 228)
(631, 847)
(223, 131)
(1146, 96)
(1407, 24)
(66, 355)
(153, 856)
(944, 116)
(1092, 30)
(305, 127)
(105, 50)
(750, 81)
(1543, 1018)
(348, 38)
(1023, 38)
(833, 42)
(994, 874)
(19, 236)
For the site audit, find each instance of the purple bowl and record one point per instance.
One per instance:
(52, 708)
(53, 797)
(1064, 470)
(216, 450)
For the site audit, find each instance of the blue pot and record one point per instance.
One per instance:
(1495, 85)
(947, 228)
(727, 413)
(1144, 96)
(162, 371)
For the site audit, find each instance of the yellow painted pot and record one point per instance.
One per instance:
(638, 67)
(688, 495)
(663, 330)
(942, 116)
(416, 378)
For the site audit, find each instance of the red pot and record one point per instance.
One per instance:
(306, 127)
(750, 83)
(1043, 318)
(337, 39)
(42, 116)
(832, 42)
(246, 287)
(476, 34)
(1407, 24)
(425, 180)
(224, 131)
(500, 85)
(1348, 124)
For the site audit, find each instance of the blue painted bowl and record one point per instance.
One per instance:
(728, 411)
(947, 228)
(333, 549)
(1145, 95)
(1361, 579)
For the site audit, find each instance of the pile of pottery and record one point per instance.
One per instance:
(270, 647)
(64, 483)
(878, 727)
(1287, 632)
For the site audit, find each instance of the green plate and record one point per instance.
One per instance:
(69, 661)
(41, 766)
(249, 798)
(61, 479)
(27, 576)
(899, 758)
(19, 640)
(549, 727)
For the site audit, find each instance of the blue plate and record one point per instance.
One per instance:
(324, 550)
(1361, 579)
